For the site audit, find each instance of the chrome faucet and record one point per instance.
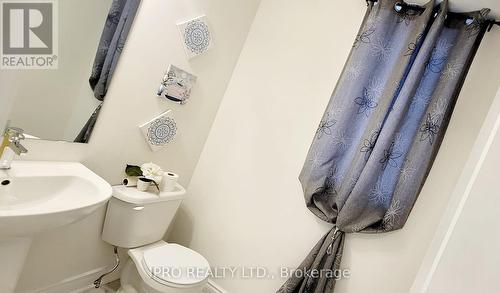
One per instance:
(11, 145)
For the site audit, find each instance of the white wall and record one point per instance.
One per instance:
(245, 205)
(7, 79)
(464, 244)
(51, 95)
(152, 45)
(470, 261)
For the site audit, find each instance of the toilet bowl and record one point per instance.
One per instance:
(164, 268)
(138, 221)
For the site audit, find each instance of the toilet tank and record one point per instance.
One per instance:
(135, 218)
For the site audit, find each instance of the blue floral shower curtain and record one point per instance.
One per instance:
(116, 29)
(383, 125)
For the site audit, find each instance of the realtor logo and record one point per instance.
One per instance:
(29, 33)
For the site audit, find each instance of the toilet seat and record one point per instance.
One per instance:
(175, 264)
(156, 261)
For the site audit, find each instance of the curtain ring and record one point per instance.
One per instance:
(398, 6)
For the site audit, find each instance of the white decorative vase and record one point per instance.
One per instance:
(143, 185)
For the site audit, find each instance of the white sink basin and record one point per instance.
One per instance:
(39, 196)
(46, 195)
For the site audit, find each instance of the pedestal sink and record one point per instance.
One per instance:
(39, 196)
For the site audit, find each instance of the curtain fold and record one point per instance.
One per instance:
(384, 124)
(116, 29)
(118, 23)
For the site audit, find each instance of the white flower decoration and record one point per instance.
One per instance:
(151, 171)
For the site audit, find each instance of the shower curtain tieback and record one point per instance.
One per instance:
(336, 233)
(383, 126)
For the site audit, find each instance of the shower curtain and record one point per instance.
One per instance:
(118, 23)
(383, 125)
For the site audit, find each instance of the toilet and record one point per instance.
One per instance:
(138, 221)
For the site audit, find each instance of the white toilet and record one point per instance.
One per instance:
(138, 220)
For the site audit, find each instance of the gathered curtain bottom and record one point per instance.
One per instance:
(320, 270)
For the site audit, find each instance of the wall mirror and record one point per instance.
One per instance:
(63, 104)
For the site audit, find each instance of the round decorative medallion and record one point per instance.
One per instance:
(162, 131)
(197, 36)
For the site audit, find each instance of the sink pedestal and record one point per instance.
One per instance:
(13, 252)
(38, 197)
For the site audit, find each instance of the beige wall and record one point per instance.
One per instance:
(51, 95)
(471, 251)
(7, 79)
(464, 244)
(152, 45)
(245, 205)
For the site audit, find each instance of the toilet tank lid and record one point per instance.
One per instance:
(132, 195)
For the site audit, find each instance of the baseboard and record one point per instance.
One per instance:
(213, 288)
(74, 284)
(91, 288)
(83, 282)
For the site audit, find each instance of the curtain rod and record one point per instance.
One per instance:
(491, 22)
